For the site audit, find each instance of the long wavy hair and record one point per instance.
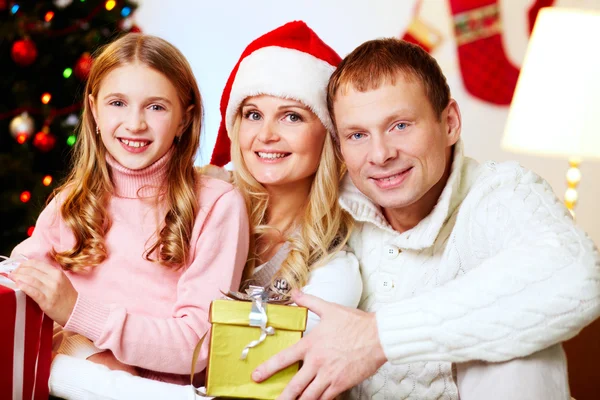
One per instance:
(322, 230)
(89, 187)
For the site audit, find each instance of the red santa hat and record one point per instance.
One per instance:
(290, 62)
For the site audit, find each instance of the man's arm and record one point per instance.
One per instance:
(536, 281)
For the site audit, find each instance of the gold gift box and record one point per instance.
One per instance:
(229, 376)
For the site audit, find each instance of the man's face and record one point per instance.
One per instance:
(395, 147)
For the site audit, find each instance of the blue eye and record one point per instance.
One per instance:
(156, 107)
(401, 126)
(116, 103)
(252, 116)
(357, 136)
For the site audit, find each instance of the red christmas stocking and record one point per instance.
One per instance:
(487, 72)
(419, 32)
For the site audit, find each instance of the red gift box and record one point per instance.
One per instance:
(25, 345)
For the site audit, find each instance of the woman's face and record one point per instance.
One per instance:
(281, 140)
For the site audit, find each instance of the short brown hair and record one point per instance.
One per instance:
(378, 61)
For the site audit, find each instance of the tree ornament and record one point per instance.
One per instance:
(25, 196)
(24, 52)
(83, 66)
(22, 125)
(71, 120)
(126, 24)
(44, 140)
(62, 3)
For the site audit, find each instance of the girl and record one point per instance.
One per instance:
(135, 245)
(287, 166)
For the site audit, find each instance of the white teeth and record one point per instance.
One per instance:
(389, 178)
(271, 155)
(134, 143)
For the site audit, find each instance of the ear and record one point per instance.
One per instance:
(453, 122)
(92, 103)
(186, 120)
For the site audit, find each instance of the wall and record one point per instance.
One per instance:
(212, 34)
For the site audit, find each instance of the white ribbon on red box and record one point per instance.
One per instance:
(7, 266)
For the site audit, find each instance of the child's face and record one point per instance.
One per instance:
(138, 113)
(394, 146)
(281, 140)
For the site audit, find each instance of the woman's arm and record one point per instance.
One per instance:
(338, 281)
(166, 344)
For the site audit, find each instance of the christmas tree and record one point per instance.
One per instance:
(46, 48)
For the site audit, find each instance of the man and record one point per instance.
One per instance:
(464, 266)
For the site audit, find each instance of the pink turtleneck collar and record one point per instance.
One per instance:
(139, 183)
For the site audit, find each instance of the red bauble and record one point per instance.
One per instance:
(24, 52)
(83, 66)
(135, 29)
(44, 141)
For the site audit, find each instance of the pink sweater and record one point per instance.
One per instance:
(148, 315)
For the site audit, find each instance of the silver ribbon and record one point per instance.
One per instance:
(8, 265)
(258, 317)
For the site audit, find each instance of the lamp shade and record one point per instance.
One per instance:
(555, 110)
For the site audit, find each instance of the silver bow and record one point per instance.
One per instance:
(258, 317)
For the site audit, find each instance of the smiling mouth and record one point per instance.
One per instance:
(391, 181)
(271, 156)
(389, 178)
(134, 143)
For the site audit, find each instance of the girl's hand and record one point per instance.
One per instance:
(108, 359)
(49, 287)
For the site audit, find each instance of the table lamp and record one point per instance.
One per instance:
(555, 110)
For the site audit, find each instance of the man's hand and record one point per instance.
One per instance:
(340, 352)
(49, 287)
(108, 359)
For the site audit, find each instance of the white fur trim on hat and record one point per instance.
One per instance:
(282, 72)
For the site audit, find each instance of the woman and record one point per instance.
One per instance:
(287, 166)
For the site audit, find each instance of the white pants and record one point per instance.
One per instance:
(75, 378)
(542, 375)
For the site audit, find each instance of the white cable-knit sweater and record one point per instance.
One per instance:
(497, 270)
